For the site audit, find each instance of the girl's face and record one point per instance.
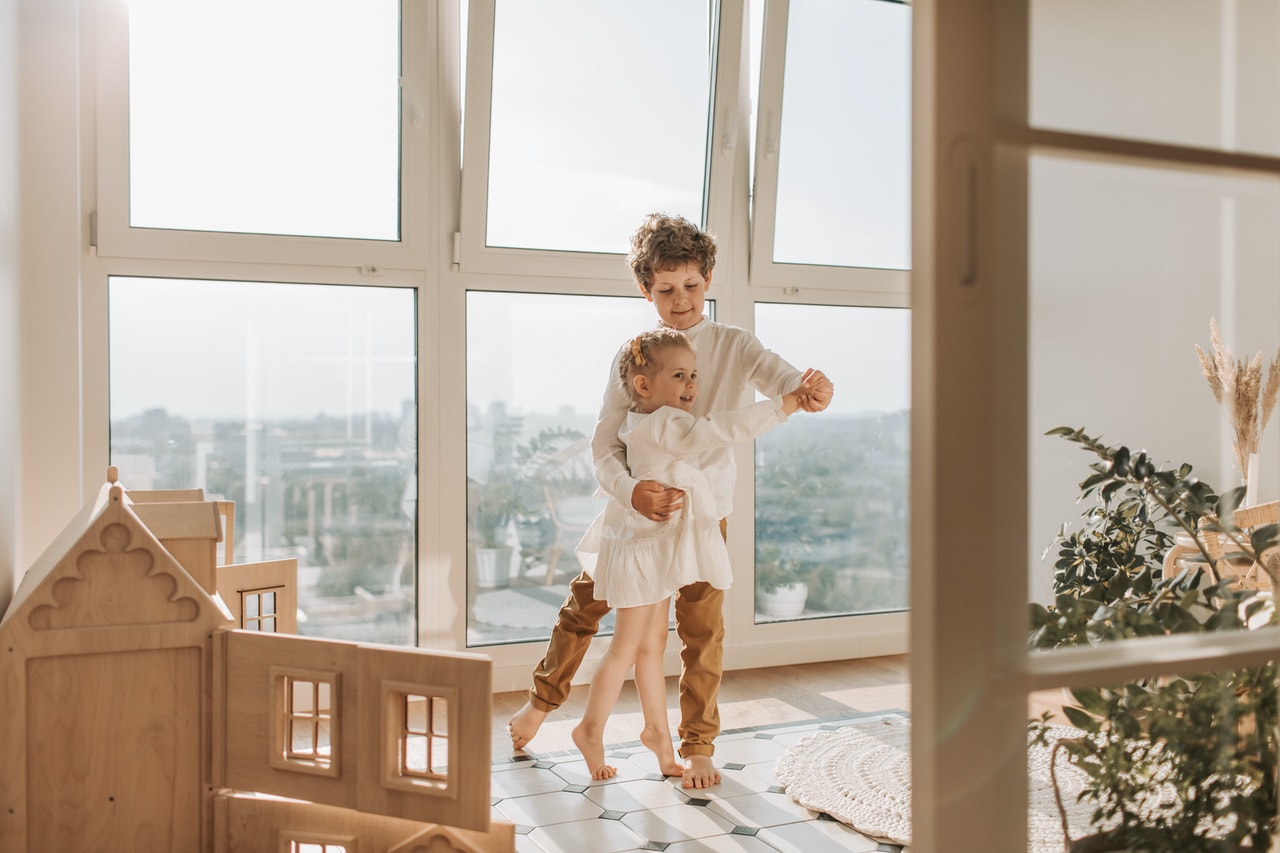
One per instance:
(678, 294)
(674, 381)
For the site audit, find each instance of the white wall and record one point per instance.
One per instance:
(10, 236)
(1129, 265)
(51, 481)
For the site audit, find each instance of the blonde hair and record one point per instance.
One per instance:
(642, 355)
(664, 242)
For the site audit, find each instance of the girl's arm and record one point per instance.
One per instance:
(679, 433)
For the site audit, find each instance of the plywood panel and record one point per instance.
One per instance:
(280, 577)
(113, 752)
(253, 823)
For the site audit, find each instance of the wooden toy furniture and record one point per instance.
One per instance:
(1227, 556)
(136, 716)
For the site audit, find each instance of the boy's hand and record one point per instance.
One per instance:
(655, 501)
(815, 391)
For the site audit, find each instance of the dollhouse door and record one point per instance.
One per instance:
(121, 755)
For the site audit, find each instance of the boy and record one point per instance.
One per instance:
(671, 261)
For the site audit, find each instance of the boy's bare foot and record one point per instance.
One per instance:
(661, 747)
(700, 773)
(525, 724)
(592, 749)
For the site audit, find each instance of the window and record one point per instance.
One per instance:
(543, 172)
(420, 725)
(270, 118)
(259, 609)
(831, 488)
(833, 184)
(424, 738)
(306, 731)
(288, 348)
(310, 842)
(537, 369)
(299, 403)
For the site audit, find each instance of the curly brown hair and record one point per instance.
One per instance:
(643, 355)
(664, 242)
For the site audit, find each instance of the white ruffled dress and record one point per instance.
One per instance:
(635, 561)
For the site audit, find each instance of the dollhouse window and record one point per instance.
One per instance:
(417, 723)
(258, 607)
(424, 737)
(310, 842)
(306, 730)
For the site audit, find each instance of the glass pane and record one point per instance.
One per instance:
(439, 755)
(303, 697)
(302, 738)
(272, 118)
(1129, 266)
(298, 402)
(268, 603)
(251, 606)
(267, 626)
(322, 697)
(563, 176)
(415, 754)
(1187, 75)
(440, 716)
(537, 367)
(831, 488)
(415, 713)
(844, 147)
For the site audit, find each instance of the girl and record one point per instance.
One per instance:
(636, 563)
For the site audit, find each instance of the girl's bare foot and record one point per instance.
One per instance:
(700, 773)
(525, 724)
(660, 745)
(592, 749)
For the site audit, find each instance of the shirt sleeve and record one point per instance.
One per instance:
(766, 371)
(679, 433)
(608, 453)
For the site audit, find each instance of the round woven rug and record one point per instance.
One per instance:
(860, 774)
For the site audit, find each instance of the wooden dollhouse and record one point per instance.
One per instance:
(153, 700)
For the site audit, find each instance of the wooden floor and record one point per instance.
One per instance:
(754, 697)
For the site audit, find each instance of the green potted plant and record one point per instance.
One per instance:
(1153, 787)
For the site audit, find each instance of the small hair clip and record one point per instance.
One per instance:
(637, 352)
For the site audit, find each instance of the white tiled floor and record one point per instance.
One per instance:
(558, 809)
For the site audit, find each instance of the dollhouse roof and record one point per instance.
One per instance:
(108, 568)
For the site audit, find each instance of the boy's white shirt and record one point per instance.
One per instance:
(731, 361)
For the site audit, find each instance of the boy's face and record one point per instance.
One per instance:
(674, 381)
(678, 295)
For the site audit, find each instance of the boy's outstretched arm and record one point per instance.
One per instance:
(816, 391)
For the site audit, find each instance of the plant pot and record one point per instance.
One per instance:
(783, 602)
(493, 567)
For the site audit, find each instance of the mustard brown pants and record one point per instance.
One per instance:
(700, 626)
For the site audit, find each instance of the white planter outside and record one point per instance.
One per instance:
(493, 567)
(783, 602)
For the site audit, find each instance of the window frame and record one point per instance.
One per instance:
(441, 295)
(111, 235)
(971, 689)
(866, 283)
(723, 163)
(283, 680)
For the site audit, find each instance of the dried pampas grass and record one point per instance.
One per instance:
(1239, 389)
